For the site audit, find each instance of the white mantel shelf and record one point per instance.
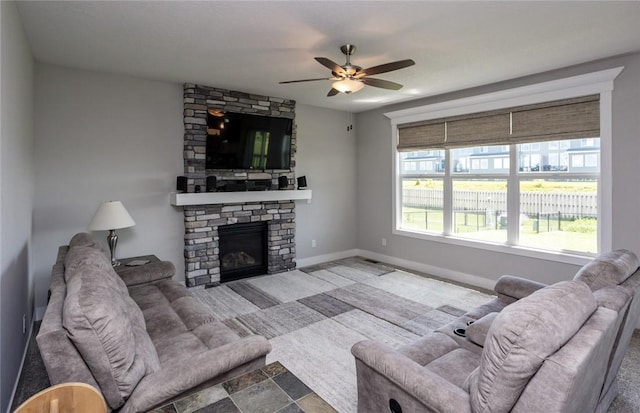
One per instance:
(209, 198)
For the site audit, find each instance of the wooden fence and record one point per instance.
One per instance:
(570, 205)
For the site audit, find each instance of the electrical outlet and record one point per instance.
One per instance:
(384, 242)
(313, 243)
(24, 323)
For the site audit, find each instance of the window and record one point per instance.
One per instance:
(557, 208)
(484, 200)
(591, 160)
(260, 149)
(577, 161)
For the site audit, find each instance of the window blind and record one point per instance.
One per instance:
(557, 120)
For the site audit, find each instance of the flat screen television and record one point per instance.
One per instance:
(243, 141)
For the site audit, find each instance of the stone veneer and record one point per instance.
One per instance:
(202, 261)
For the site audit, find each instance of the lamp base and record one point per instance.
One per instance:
(112, 239)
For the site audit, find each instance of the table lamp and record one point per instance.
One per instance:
(110, 216)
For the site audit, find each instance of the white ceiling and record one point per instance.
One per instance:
(251, 46)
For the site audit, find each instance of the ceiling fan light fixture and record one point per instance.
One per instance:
(348, 85)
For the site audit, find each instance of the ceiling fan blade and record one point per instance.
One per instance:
(307, 80)
(335, 68)
(384, 84)
(333, 92)
(387, 67)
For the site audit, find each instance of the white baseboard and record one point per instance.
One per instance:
(399, 262)
(431, 269)
(40, 313)
(24, 357)
(319, 259)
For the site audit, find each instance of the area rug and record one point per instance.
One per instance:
(313, 316)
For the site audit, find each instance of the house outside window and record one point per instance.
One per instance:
(536, 186)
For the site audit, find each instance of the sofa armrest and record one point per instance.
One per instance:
(477, 331)
(433, 391)
(147, 273)
(176, 377)
(516, 287)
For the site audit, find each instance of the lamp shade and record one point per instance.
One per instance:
(111, 215)
(348, 85)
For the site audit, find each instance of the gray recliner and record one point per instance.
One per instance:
(547, 352)
(618, 268)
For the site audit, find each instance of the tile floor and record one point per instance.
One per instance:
(270, 389)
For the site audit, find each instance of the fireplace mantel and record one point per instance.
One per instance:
(212, 198)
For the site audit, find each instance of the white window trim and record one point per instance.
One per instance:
(588, 84)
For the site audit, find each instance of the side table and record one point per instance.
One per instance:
(124, 262)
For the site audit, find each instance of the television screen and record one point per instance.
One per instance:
(242, 141)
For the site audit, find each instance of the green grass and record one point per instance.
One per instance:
(579, 235)
(575, 235)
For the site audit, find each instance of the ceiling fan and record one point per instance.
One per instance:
(350, 78)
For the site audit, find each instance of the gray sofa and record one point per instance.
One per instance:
(139, 337)
(534, 348)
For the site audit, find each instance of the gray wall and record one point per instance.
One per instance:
(326, 156)
(104, 137)
(16, 183)
(375, 177)
(101, 137)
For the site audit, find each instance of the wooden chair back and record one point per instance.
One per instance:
(65, 398)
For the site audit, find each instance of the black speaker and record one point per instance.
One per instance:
(283, 182)
(181, 184)
(212, 184)
(302, 182)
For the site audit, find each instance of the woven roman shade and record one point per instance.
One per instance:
(420, 136)
(557, 120)
(568, 119)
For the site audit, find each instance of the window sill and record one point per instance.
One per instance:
(555, 256)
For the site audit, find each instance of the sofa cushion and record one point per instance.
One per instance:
(521, 337)
(85, 258)
(608, 269)
(108, 329)
(455, 366)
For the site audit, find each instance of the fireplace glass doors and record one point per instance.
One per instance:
(243, 250)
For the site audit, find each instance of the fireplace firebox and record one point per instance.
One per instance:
(243, 250)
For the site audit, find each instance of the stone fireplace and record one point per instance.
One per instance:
(202, 237)
(243, 250)
(206, 215)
